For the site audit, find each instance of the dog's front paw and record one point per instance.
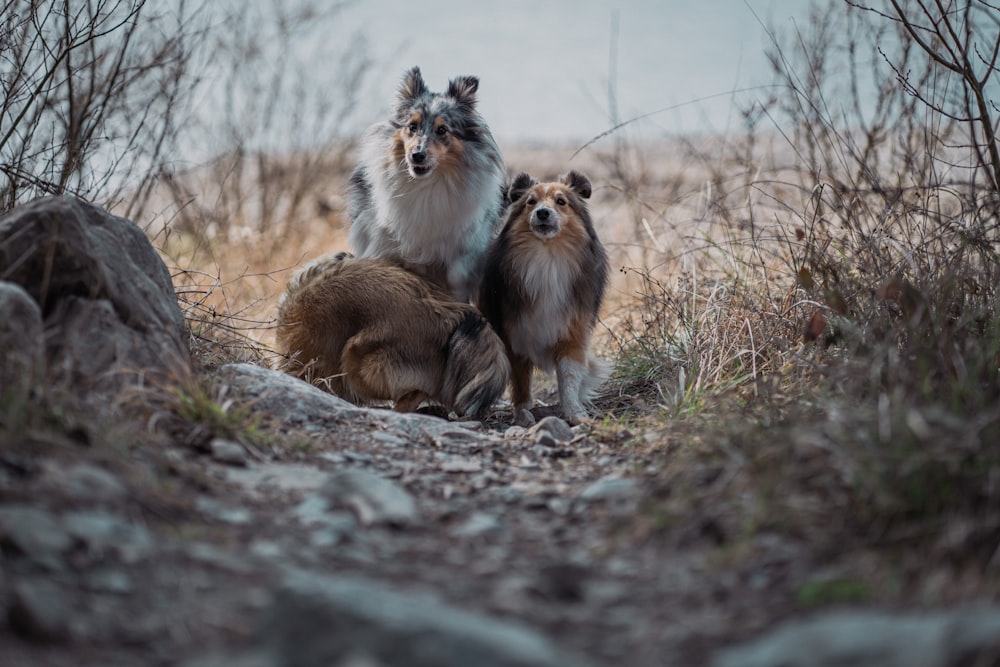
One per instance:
(580, 417)
(523, 417)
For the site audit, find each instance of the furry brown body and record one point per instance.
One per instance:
(369, 330)
(543, 286)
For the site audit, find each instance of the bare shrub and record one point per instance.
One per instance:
(93, 95)
(837, 278)
(265, 166)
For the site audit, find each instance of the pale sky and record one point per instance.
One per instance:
(544, 64)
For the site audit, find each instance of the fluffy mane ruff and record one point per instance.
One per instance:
(438, 219)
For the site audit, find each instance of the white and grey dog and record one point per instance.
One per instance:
(428, 191)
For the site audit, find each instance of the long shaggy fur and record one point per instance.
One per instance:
(542, 289)
(368, 330)
(427, 192)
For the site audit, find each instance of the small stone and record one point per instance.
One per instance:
(110, 581)
(462, 465)
(610, 488)
(374, 499)
(515, 433)
(545, 440)
(103, 533)
(236, 516)
(555, 427)
(87, 482)
(39, 612)
(389, 439)
(228, 452)
(477, 524)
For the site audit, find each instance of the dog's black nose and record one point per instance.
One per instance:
(542, 214)
(418, 157)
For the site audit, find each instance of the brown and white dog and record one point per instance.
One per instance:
(369, 330)
(542, 289)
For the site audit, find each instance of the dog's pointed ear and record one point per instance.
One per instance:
(521, 183)
(463, 89)
(412, 86)
(578, 183)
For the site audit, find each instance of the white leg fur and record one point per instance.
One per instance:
(578, 384)
(571, 376)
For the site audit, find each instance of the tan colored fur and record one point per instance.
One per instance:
(368, 330)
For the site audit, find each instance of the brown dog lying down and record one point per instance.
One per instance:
(369, 330)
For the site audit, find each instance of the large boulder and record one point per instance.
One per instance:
(110, 312)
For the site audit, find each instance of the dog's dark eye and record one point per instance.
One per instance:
(413, 127)
(441, 130)
(531, 201)
(560, 201)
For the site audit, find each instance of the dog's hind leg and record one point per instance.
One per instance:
(375, 372)
(409, 402)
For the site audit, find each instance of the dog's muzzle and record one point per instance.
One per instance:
(544, 222)
(417, 162)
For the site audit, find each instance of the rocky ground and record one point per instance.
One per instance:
(378, 537)
(242, 517)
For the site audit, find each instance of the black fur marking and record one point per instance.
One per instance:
(470, 326)
(578, 183)
(463, 89)
(521, 184)
(413, 86)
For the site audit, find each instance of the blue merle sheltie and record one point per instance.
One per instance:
(428, 192)
(543, 285)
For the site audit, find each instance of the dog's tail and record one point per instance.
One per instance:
(477, 369)
(598, 372)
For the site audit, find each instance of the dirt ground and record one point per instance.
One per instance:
(153, 551)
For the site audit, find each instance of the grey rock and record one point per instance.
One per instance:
(39, 612)
(34, 533)
(109, 581)
(103, 533)
(296, 477)
(875, 639)
(374, 499)
(22, 352)
(217, 557)
(228, 452)
(297, 403)
(111, 314)
(289, 399)
(332, 527)
(611, 488)
(515, 433)
(554, 427)
(235, 516)
(316, 620)
(461, 464)
(86, 483)
(476, 525)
